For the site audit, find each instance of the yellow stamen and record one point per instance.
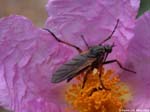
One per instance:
(84, 100)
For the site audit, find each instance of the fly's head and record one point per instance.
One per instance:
(108, 48)
(97, 50)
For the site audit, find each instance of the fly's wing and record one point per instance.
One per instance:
(72, 68)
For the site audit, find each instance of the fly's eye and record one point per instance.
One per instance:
(108, 48)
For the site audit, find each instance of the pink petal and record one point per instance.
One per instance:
(139, 60)
(28, 57)
(93, 19)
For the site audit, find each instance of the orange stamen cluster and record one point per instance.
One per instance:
(105, 100)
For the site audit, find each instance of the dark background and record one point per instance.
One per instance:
(32, 9)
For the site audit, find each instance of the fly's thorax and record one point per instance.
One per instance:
(97, 50)
(100, 49)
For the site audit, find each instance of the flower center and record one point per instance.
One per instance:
(111, 99)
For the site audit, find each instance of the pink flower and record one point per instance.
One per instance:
(29, 55)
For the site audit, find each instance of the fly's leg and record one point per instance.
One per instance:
(68, 80)
(100, 77)
(84, 80)
(101, 81)
(109, 37)
(119, 64)
(85, 41)
(85, 77)
(94, 90)
(101, 85)
(77, 48)
(100, 74)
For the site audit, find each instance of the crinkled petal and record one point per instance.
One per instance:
(139, 60)
(95, 19)
(28, 57)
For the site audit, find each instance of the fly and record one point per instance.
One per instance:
(94, 57)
